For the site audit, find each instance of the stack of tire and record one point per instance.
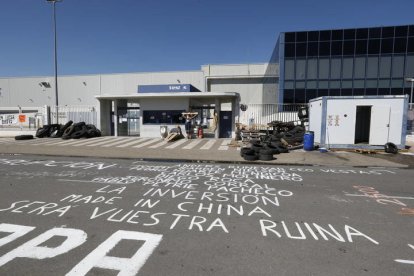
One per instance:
(263, 151)
(68, 131)
(293, 136)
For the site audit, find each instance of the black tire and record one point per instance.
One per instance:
(275, 150)
(265, 151)
(43, 131)
(23, 137)
(246, 150)
(250, 157)
(283, 150)
(80, 133)
(63, 128)
(257, 147)
(79, 126)
(53, 130)
(68, 132)
(54, 134)
(266, 157)
(390, 148)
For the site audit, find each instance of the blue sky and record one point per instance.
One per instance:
(117, 36)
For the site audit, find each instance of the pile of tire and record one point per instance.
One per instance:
(263, 151)
(293, 136)
(68, 131)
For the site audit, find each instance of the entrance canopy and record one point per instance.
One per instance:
(160, 109)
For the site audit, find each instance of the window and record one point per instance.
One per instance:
(289, 84)
(361, 47)
(398, 83)
(384, 83)
(349, 34)
(301, 49)
(301, 36)
(311, 94)
(313, 49)
(401, 31)
(289, 69)
(312, 69)
(300, 96)
(371, 84)
(300, 85)
(290, 50)
(409, 67)
(374, 46)
(335, 68)
(410, 48)
(336, 48)
(362, 33)
(411, 30)
(386, 46)
(335, 85)
(372, 67)
(398, 67)
(163, 117)
(337, 34)
(400, 45)
(387, 32)
(323, 84)
(375, 33)
(324, 68)
(346, 92)
(325, 35)
(324, 48)
(347, 67)
(313, 36)
(288, 96)
(359, 84)
(349, 46)
(385, 67)
(300, 69)
(311, 84)
(359, 68)
(289, 37)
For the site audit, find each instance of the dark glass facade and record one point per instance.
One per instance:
(349, 62)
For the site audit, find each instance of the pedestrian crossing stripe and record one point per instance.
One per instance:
(125, 142)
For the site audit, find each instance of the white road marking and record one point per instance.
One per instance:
(192, 144)
(209, 144)
(120, 141)
(224, 145)
(381, 196)
(158, 145)
(176, 144)
(147, 143)
(140, 140)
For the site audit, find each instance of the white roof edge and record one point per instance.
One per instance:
(170, 95)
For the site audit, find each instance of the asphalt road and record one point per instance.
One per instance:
(77, 216)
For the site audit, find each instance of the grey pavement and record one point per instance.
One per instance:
(195, 150)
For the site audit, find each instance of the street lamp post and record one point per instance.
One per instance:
(411, 94)
(55, 57)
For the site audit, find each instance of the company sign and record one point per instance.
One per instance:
(165, 88)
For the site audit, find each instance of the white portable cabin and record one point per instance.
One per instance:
(359, 121)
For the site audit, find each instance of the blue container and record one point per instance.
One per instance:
(308, 140)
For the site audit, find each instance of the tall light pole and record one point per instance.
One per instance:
(411, 96)
(55, 56)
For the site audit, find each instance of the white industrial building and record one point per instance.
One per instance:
(113, 101)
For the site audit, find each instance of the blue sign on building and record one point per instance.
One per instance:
(166, 88)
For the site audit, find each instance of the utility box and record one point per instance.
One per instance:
(359, 121)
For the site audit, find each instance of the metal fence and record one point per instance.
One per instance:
(410, 119)
(85, 114)
(262, 114)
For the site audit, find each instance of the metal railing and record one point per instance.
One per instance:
(262, 114)
(85, 114)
